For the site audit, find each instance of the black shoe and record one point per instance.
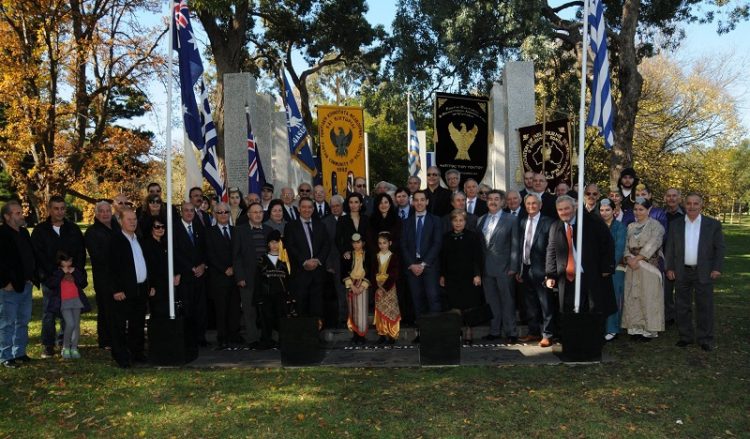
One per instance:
(706, 347)
(23, 359)
(416, 340)
(354, 339)
(682, 344)
(253, 345)
(511, 340)
(391, 340)
(203, 343)
(237, 339)
(382, 339)
(10, 364)
(490, 337)
(49, 352)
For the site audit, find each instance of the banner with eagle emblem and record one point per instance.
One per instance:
(342, 146)
(461, 134)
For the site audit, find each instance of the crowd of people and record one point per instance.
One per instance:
(398, 254)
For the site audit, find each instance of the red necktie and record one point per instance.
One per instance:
(570, 268)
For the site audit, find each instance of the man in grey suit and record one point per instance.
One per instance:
(694, 260)
(499, 231)
(333, 262)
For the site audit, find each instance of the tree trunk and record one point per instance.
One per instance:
(629, 85)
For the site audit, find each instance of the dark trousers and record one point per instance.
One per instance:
(669, 299)
(688, 289)
(127, 327)
(539, 307)
(425, 291)
(192, 296)
(227, 308)
(49, 321)
(568, 295)
(308, 291)
(103, 317)
(269, 313)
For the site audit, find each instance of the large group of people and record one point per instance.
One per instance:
(397, 255)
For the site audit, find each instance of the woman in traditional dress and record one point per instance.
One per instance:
(384, 276)
(461, 268)
(655, 212)
(643, 307)
(354, 276)
(619, 235)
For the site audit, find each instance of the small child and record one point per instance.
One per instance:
(355, 280)
(69, 300)
(272, 297)
(385, 276)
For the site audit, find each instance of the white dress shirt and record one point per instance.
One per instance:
(531, 223)
(471, 204)
(141, 274)
(692, 235)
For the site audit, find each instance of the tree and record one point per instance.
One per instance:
(441, 43)
(261, 37)
(96, 49)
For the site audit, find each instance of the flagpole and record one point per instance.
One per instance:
(581, 139)
(170, 238)
(408, 132)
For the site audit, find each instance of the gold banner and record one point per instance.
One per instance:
(342, 147)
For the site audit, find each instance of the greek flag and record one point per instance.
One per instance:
(299, 146)
(255, 176)
(600, 110)
(414, 162)
(199, 124)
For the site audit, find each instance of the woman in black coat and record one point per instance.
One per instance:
(348, 225)
(155, 253)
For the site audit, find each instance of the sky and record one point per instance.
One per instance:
(701, 41)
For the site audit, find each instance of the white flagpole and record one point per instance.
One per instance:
(170, 236)
(581, 139)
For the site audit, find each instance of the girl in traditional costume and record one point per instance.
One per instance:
(384, 276)
(354, 273)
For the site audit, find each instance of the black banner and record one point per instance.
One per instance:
(551, 157)
(461, 134)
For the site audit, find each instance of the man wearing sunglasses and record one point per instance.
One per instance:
(438, 197)
(221, 284)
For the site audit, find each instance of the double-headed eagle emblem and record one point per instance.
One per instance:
(463, 139)
(341, 141)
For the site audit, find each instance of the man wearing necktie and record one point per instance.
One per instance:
(222, 287)
(322, 208)
(308, 246)
(333, 262)
(500, 239)
(597, 261)
(420, 248)
(474, 204)
(403, 203)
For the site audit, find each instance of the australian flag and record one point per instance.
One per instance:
(299, 146)
(600, 110)
(255, 176)
(199, 124)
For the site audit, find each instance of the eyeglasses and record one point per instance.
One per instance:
(304, 190)
(222, 212)
(159, 226)
(593, 193)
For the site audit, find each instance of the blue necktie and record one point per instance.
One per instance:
(420, 226)
(190, 233)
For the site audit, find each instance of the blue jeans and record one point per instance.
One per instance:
(15, 314)
(49, 336)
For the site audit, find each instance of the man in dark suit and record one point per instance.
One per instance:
(308, 245)
(98, 238)
(694, 260)
(533, 238)
(291, 212)
(404, 208)
(597, 261)
(189, 268)
(333, 262)
(514, 204)
(474, 205)
(129, 277)
(539, 183)
(203, 219)
(360, 185)
(421, 240)
(499, 232)
(528, 184)
(221, 284)
(674, 211)
(50, 236)
(321, 208)
(413, 184)
(17, 276)
(458, 201)
(438, 197)
(248, 245)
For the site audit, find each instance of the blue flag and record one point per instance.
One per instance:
(199, 124)
(255, 176)
(414, 161)
(600, 110)
(299, 146)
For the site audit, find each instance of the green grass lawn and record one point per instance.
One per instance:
(650, 390)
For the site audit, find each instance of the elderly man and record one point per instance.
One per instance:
(50, 236)
(304, 189)
(333, 262)
(539, 183)
(248, 245)
(458, 201)
(484, 190)
(360, 185)
(474, 204)
(499, 231)
(562, 189)
(190, 268)
(513, 204)
(591, 199)
(694, 260)
(438, 197)
(321, 207)
(98, 239)
(221, 284)
(413, 184)
(453, 180)
(597, 261)
(120, 202)
(291, 212)
(129, 277)
(17, 275)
